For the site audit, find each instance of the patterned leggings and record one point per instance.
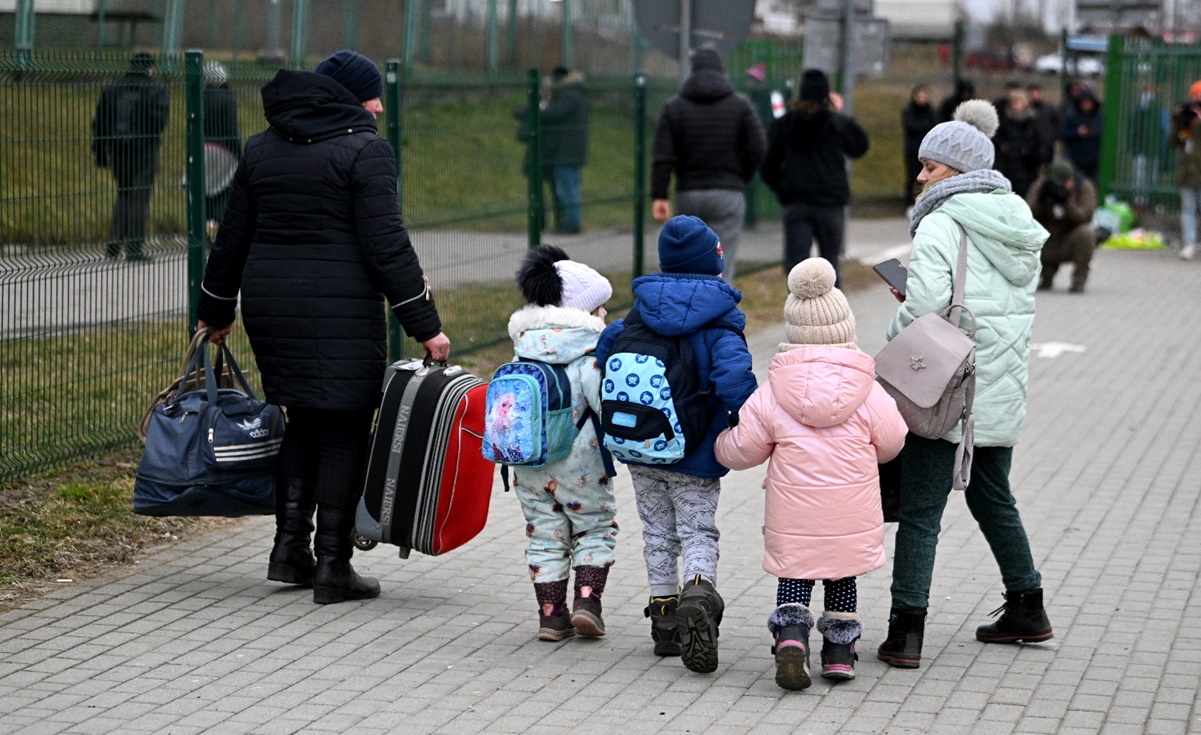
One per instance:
(840, 594)
(677, 513)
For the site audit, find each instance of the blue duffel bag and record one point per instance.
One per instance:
(210, 451)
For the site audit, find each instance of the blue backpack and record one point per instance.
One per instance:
(654, 407)
(528, 414)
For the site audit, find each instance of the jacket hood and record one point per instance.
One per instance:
(1087, 94)
(306, 107)
(674, 304)
(553, 334)
(1009, 236)
(706, 85)
(821, 386)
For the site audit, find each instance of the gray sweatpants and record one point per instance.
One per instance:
(678, 515)
(723, 210)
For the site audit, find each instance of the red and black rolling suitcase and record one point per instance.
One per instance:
(427, 485)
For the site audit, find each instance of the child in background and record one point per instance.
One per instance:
(825, 424)
(568, 505)
(677, 502)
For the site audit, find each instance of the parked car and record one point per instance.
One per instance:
(1085, 66)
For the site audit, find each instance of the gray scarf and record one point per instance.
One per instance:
(972, 182)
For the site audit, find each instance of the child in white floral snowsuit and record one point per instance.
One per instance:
(568, 505)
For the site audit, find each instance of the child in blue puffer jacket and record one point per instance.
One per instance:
(678, 502)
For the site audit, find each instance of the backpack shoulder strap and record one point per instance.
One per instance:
(960, 278)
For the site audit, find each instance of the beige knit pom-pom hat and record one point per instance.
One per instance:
(816, 312)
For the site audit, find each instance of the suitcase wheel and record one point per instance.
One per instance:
(362, 543)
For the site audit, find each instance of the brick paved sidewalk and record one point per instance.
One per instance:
(1107, 475)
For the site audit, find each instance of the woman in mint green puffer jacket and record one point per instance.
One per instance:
(1003, 243)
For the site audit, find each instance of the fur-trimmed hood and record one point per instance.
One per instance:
(553, 334)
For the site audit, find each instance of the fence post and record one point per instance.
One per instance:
(194, 146)
(172, 33)
(393, 103)
(567, 52)
(957, 53)
(300, 32)
(101, 26)
(639, 170)
(350, 24)
(511, 39)
(24, 33)
(1110, 117)
(533, 148)
(493, 33)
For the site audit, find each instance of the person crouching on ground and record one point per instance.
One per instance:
(569, 509)
(826, 425)
(690, 309)
(961, 189)
(1063, 202)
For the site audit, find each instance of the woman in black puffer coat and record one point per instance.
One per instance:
(313, 239)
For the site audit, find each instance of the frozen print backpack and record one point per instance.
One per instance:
(528, 414)
(654, 409)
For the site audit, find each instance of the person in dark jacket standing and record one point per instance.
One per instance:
(313, 240)
(1047, 116)
(917, 119)
(565, 144)
(221, 135)
(126, 133)
(712, 139)
(1081, 133)
(964, 91)
(806, 168)
(1019, 146)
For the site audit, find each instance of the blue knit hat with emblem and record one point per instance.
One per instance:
(687, 245)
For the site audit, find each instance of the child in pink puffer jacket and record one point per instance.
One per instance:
(826, 425)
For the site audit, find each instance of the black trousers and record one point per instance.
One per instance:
(805, 222)
(328, 451)
(133, 169)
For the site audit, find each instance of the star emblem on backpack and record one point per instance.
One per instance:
(917, 363)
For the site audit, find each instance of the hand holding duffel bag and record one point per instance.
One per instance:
(210, 451)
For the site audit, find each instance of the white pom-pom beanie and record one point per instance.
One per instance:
(816, 312)
(583, 287)
(965, 142)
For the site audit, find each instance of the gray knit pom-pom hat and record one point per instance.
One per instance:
(965, 142)
(816, 313)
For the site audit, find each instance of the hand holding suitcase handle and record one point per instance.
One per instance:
(437, 348)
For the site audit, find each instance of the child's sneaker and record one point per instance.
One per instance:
(554, 625)
(698, 618)
(789, 625)
(664, 630)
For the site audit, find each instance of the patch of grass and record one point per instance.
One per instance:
(78, 523)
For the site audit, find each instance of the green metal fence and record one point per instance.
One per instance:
(86, 340)
(1145, 81)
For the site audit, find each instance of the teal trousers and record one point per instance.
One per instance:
(926, 467)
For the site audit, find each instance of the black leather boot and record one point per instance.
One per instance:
(903, 647)
(291, 558)
(334, 579)
(1023, 619)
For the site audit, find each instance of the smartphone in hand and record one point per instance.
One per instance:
(893, 273)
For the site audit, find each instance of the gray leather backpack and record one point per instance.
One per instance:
(929, 368)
